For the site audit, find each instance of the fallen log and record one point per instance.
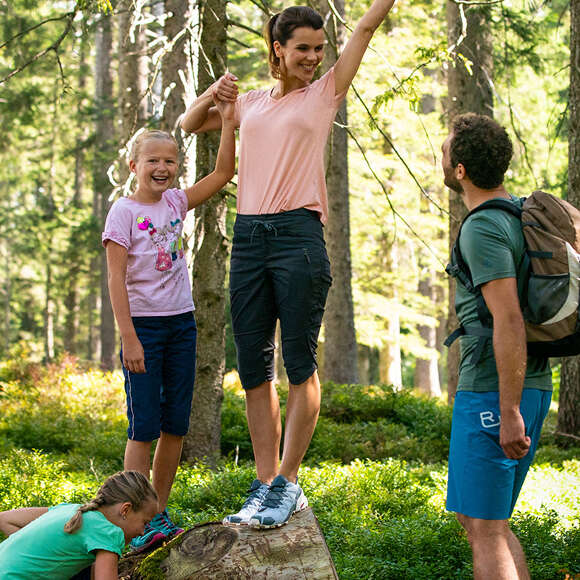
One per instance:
(214, 551)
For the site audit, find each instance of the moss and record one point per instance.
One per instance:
(149, 567)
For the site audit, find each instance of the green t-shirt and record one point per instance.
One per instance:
(492, 245)
(42, 549)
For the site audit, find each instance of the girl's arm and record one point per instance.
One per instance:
(13, 520)
(133, 355)
(351, 57)
(202, 115)
(225, 163)
(106, 565)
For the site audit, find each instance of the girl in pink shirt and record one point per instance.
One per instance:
(279, 265)
(151, 298)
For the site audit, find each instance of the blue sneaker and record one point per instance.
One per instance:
(256, 495)
(151, 537)
(282, 500)
(159, 529)
(162, 522)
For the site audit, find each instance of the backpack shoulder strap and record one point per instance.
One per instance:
(459, 269)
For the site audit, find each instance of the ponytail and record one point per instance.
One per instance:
(273, 60)
(125, 486)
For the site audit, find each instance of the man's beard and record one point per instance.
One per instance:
(451, 181)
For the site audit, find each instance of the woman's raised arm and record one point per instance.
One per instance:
(347, 64)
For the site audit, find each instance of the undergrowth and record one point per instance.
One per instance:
(375, 473)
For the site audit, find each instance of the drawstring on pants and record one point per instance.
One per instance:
(268, 227)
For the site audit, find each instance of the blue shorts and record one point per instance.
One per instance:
(279, 270)
(160, 399)
(483, 483)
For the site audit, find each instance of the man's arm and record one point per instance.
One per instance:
(509, 346)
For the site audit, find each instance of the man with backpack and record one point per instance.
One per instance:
(503, 395)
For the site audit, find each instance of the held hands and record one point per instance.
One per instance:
(512, 435)
(225, 88)
(226, 110)
(224, 94)
(133, 355)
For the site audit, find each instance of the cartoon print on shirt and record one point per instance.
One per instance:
(167, 241)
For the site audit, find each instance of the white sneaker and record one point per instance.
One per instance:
(256, 495)
(282, 500)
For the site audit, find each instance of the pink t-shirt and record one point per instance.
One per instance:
(157, 277)
(281, 160)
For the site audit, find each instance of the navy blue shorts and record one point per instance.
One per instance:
(279, 270)
(160, 399)
(483, 483)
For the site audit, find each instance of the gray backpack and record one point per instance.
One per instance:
(551, 302)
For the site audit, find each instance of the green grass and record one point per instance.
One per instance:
(375, 473)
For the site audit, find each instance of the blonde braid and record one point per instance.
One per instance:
(76, 522)
(124, 486)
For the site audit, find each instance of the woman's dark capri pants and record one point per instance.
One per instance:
(279, 269)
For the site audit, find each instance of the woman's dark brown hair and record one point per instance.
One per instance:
(281, 27)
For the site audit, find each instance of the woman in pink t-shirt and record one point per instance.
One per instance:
(279, 265)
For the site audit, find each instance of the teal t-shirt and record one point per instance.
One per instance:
(42, 549)
(492, 245)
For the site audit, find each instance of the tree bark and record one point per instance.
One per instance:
(174, 70)
(569, 404)
(340, 353)
(203, 439)
(74, 252)
(133, 74)
(219, 552)
(466, 93)
(104, 154)
(426, 369)
(390, 353)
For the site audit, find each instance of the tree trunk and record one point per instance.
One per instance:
(466, 93)
(174, 71)
(219, 552)
(48, 315)
(340, 354)
(203, 439)
(426, 369)
(104, 155)
(7, 298)
(50, 211)
(74, 252)
(390, 353)
(569, 405)
(133, 73)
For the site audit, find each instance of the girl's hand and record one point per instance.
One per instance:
(225, 88)
(133, 355)
(226, 109)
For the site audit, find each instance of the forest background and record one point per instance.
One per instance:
(78, 80)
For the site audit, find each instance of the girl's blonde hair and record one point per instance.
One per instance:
(124, 486)
(149, 135)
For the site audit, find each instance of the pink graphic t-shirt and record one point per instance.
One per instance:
(281, 160)
(157, 277)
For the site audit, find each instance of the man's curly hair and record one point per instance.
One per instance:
(483, 147)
